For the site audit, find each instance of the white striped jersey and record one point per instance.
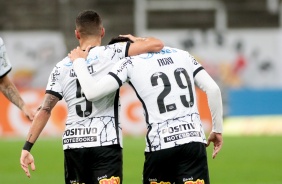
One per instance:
(89, 124)
(164, 83)
(5, 65)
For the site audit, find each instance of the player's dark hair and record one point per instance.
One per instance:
(88, 22)
(119, 39)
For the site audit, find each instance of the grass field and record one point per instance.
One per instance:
(243, 160)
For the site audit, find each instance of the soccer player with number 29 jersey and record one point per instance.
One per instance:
(164, 82)
(92, 140)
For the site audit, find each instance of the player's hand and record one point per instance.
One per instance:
(28, 112)
(132, 38)
(79, 53)
(26, 160)
(217, 140)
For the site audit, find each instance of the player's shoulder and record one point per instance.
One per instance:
(118, 44)
(1, 41)
(171, 50)
(175, 50)
(116, 47)
(64, 63)
(101, 50)
(97, 54)
(96, 50)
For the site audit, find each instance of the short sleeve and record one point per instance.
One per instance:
(121, 49)
(54, 86)
(5, 65)
(196, 66)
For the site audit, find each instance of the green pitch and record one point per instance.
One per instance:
(242, 160)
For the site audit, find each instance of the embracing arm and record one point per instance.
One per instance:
(12, 94)
(209, 86)
(39, 122)
(93, 89)
(142, 45)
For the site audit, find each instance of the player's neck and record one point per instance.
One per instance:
(84, 43)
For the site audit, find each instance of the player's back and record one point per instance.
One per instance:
(88, 124)
(164, 82)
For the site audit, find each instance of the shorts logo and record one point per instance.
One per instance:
(112, 180)
(162, 182)
(75, 182)
(195, 182)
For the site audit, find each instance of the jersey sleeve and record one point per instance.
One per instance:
(204, 81)
(121, 49)
(5, 65)
(54, 86)
(209, 86)
(120, 71)
(196, 66)
(93, 89)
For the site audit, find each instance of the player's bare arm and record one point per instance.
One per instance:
(142, 45)
(11, 93)
(42, 117)
(39, 122)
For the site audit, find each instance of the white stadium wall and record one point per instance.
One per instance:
(239, 60)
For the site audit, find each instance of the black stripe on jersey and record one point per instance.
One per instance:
(146, 116)
(196, 71)
(5, 73)
(116, 115)
(127, 48)
(117, 79)
(54, 93)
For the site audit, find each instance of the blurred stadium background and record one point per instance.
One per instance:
(239, 43)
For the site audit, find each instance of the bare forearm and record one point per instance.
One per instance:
(10, 91)
(155, 44)
(37, 126)
(41, 117)
(143, 45)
